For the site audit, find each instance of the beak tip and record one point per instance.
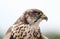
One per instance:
(46, 18)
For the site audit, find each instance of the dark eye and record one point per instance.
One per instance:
(38, 12)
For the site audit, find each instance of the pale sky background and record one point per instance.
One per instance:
(11, 10)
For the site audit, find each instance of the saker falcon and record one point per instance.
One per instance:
(27, 26)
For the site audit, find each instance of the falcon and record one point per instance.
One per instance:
(27, 26)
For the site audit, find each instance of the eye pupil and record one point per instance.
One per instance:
(38, 12)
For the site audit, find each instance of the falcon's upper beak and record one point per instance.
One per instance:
(44, 17)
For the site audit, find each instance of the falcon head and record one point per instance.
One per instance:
(32, 16)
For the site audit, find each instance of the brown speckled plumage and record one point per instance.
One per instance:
(27, 26)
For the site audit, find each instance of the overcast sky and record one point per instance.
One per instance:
(11, 10)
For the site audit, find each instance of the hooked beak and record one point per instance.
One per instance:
(44, 17)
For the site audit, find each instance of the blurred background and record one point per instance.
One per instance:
(11, 10)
